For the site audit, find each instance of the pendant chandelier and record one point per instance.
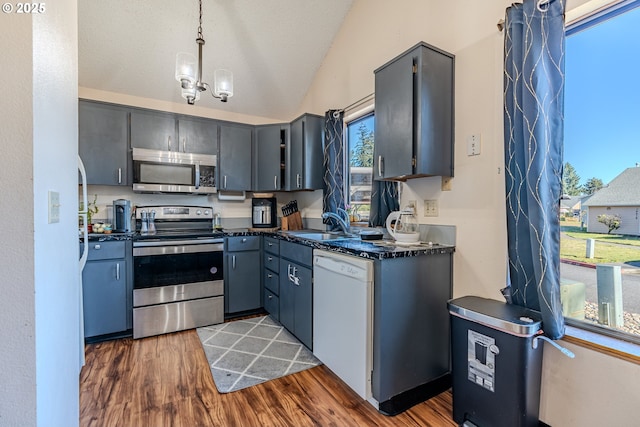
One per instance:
(189, 74)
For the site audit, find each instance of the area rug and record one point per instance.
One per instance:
(247, 352)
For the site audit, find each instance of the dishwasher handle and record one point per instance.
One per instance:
(342, 267)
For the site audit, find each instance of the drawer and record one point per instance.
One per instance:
(106, 250)
(243, 243)
(272, 304)
(271, 261)
(272, 245)
(297, 252)
(272, 281)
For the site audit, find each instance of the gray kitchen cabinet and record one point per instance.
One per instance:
(414, 110)
(153, 130)
(242, 287)
(304, 154)
(411, 349)
(269, 157)
(234, 157)
(107, 288)
(271, 276)
(296, 290)
(103, 143)
(199, 136)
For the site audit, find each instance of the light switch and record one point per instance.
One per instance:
(473, 144)
(431, 208)
(54, 207)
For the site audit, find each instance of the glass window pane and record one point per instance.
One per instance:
(360, 141)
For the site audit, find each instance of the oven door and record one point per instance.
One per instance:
(177, 285)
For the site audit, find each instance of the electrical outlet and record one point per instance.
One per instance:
(430, 208)
(54, 207)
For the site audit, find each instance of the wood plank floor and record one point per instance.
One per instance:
(165, 381)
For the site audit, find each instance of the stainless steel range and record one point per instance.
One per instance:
(178, 270)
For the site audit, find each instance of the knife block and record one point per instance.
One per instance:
(292, 222)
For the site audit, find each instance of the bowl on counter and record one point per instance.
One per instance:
(101, 228)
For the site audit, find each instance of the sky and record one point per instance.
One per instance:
(602, 98)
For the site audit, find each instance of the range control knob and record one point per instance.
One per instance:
(206, 213)
(198, 212)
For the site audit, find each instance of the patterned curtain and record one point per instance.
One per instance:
(384, 200)
(333, 189)
(533, 126)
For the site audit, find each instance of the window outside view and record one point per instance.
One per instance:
(600, 210)
(360, 143)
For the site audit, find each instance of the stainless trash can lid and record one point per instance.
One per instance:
(509, 318)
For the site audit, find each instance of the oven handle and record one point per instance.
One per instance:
(176, 249)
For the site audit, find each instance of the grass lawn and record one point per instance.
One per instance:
(609, 248)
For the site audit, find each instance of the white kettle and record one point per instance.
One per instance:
(405, 229)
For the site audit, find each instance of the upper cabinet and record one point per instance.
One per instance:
(198, 136)
(103, 143)
(269, 157)
(153, 130)
(157, 130)
(234, 157)
(414, 107)
(304, 154)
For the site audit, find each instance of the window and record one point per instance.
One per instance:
(600, 224)
(360, 166)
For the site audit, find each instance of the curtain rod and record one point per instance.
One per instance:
(354, 104)
(540, 6)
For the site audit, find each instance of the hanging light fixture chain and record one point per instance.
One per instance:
(200, 21)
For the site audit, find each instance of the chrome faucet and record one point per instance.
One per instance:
(344, 225)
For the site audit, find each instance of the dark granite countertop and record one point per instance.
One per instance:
(372, 249)
(102, 237)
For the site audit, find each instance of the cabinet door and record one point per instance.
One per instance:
(153, 130)
(103, 143)
(304, 160)
(234, 158)
(267, 158)
(198, 136)
(104, 297)
(242, 281)
(287, 296)
(303, 306)
(295, 152)
(393, 148)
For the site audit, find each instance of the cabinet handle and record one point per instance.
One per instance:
(270, 296)
(119, 175)
(275, 182)
(270, 244)
(97, 247)
(224, 183)
(197, 178)
(298, 180)
(184, 145)
(244, 240)
(118, 271)
(380, 165)
(169, 142)
(269, 276)
(270, 259)
(233, 262)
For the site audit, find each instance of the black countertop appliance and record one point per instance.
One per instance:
(264, 213)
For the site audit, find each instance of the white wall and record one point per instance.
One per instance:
(591, 390)
(17, 306)
(39, 310)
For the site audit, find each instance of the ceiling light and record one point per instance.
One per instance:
(189, 74)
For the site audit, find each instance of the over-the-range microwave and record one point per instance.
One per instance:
(156, 171)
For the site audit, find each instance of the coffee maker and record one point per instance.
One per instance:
(264, 212)
(121, 216)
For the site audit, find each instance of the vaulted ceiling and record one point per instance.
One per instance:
(273, 47)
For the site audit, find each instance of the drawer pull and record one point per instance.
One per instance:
(270, 296)
(97, 247)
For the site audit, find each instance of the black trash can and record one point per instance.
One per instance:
(496, 371)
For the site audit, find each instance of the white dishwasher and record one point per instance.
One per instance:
(343, 317)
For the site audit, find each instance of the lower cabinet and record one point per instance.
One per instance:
(242, 290)
(107, 289)
(296, 291)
